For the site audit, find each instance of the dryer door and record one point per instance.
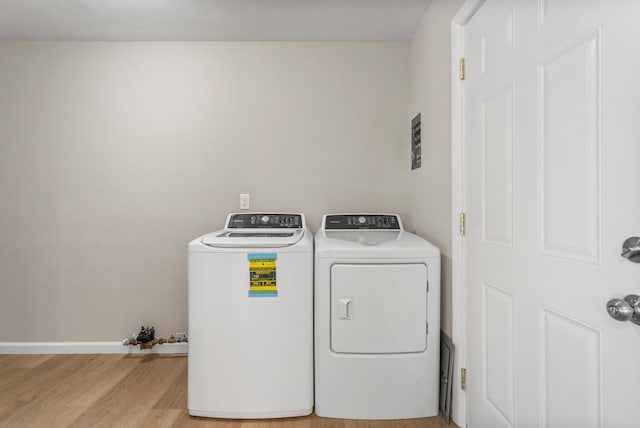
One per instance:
(378, 308)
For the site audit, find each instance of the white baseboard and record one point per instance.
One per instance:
(88, 348)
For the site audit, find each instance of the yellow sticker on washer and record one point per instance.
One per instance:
(262, 275)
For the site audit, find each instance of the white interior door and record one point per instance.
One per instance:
(552, 155)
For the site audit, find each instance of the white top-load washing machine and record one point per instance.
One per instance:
(251, 318)
(377, 319)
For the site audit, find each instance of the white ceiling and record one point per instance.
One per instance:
(303, 20)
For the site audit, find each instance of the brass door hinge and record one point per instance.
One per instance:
(463, 224)
(463, 379)
(461, 68)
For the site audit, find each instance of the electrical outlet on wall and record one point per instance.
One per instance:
(244, 201)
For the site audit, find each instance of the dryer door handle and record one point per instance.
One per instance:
(343, 309)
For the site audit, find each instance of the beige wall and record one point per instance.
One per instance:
(114, 155)
(430, 95)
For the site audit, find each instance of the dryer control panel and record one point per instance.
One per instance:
(362, 221)
(265, 221)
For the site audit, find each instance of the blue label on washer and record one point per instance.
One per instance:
(262, 275)
(256, 256)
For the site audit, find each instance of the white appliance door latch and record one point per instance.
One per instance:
(344, 312)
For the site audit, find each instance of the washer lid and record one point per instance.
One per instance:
(258, 230)
(253, 238)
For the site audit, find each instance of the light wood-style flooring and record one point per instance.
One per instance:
(125, 391)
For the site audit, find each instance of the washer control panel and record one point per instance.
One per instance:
(265, 221)
(362, 221)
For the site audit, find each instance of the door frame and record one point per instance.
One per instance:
(458, 285)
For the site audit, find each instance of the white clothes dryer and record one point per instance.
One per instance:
(251, 318)
(377, 319)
